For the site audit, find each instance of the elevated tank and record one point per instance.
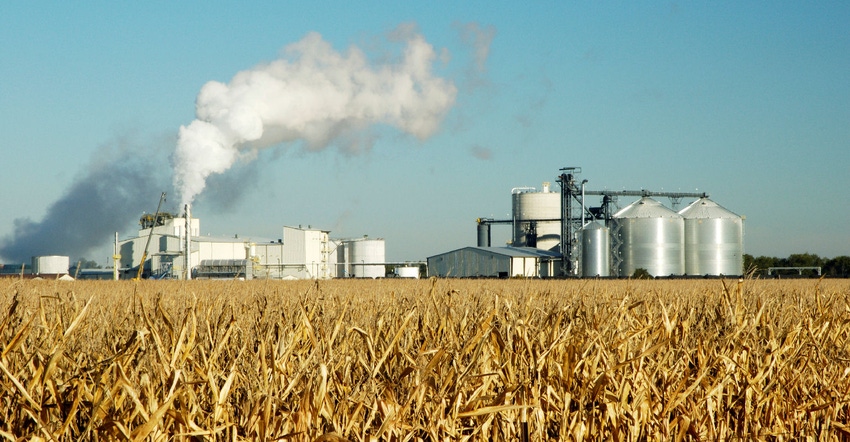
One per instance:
(366, 258)
(650, 237)
(595, 250)
(714, 239)
(540, 209)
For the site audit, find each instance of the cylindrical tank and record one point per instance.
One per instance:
(366, 258)
(650, 237)
(714, 239)
(537, 211)
(407, 272)
(51, 265)
(595, 250)
(483, 234)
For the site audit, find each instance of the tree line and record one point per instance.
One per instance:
(838, 267)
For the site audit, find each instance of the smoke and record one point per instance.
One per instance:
(479, 38)
(314, 95)
(105, 198)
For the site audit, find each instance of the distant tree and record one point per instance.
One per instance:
(759, 265)
(86, 264)
(805, 260)
(641, 274)
(837, 267)
(749, 263)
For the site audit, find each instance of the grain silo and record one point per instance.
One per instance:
(649, 236)
(595, 250)
(536, 217)
(714, 239)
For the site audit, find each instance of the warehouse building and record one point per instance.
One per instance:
(498, 262)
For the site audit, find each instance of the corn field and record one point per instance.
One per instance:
(425, 360)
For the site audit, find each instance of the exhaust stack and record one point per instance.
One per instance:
(116, 259)
(187, 251)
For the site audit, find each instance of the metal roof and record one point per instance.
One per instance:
(513, 252)
(705, 208)
(646, 207)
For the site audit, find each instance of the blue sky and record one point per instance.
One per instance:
(748, 101)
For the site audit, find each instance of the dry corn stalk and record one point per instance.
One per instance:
(425, 360)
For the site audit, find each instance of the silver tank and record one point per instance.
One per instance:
(650, 237)
(530, 205)
(483, 234)
(714, 239)
(595, 250)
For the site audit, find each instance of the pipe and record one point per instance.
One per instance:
(583, 182)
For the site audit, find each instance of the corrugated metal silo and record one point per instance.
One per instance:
(595, 250)
(651, 237)
(714, 239)
(366, 257)
(530, 205)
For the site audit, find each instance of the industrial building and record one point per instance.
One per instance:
(704, 239)
(300, 253)
(497, 262)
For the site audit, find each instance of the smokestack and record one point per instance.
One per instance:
(187, 252)
(116, 259)
(314, 95)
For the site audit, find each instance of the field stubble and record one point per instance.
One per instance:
(425, 360)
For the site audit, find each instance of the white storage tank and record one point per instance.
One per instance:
(366, 257)
(714, 239)
(530, 205)
(595, 250)
(51, 265)
(407, 272)
(650, 237)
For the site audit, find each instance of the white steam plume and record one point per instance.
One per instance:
(314, 94)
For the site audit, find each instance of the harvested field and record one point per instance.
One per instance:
(427, 360)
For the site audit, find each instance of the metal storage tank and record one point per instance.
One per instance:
(483, 234)
(51, 265)
(595, 250)
(714, 239)
(407, 272)
(649, 236)
(361, 253)
(529, 205)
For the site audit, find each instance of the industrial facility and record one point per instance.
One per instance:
(554, 233)
(170, 247)
(605, 240)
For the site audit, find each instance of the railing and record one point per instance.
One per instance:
(770, 270)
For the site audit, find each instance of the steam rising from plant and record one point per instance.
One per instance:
(108, 196)
(314, 95)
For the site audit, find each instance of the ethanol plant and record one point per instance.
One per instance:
(606, 240)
